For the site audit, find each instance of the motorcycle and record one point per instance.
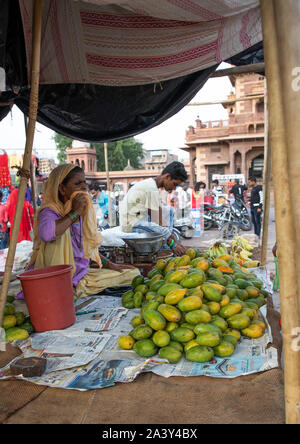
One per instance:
(217, 216)
(184, 226)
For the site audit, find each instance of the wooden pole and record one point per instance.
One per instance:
(285, 228)
(32, 174)
(37, 24)
(266, 184)
(243, 69)
(287, 16)
(227, 101)
(108, 184)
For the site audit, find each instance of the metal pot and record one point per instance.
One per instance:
(145, 243)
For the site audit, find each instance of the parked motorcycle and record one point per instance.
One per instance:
(235, 214)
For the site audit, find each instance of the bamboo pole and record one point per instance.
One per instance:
(243, 69)
(285, 230)
(32, 174)
(108, 184)
(226, 101)
(37, 24)
(266, 184)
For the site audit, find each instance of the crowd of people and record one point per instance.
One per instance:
(65, 229)
(180, 200)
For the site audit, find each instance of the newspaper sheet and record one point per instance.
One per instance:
(87, 356)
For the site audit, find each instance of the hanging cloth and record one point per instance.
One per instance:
(4, 171)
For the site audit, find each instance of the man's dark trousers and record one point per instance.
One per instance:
(256, 219)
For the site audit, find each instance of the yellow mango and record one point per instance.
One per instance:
(225, 300)
(203, 265)
(173, 297)
(126, 342)
(261, 324)
(169, 312)
(253, 331)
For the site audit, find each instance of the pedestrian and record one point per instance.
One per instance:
(101, 198)
(183, 200)
(141, 210)
(256, 204)
(3, 224)
(217, 192)
(238, 190)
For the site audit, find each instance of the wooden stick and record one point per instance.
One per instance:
(285, 230)
(108, 184)
(244, 69)
(37, 24)
(32, 174)
(287, 16)
(266, 185)
(217, 102)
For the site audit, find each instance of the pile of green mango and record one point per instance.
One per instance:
(16, 324)
(196, 305)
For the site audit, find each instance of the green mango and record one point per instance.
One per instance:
(206, 328)
(211, 293)
(154, 319)
(182, 334)
(224, 349)
(210, 339)
(141, 332)
(145, 348)
(199, 353)
(170, 353)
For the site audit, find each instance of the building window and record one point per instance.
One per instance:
(215, 150)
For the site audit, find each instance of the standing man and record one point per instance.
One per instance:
(183, 200)
(101, 197)
(256, 204)
(141, 211)
(216, 191)
(238, 190)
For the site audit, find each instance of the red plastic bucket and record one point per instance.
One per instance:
(49, 297)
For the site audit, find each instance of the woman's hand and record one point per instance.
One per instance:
(118, 267)
(79, 204)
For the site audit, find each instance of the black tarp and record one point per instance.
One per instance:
(95, 113)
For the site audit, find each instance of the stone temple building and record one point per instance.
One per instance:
(235, 145)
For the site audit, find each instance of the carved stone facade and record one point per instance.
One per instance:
(83, 155)
(233, 146)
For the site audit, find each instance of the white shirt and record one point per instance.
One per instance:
(143, 196)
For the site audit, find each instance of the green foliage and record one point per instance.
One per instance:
(118, 154)
(62, 142)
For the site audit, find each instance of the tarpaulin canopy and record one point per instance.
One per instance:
(113, 68)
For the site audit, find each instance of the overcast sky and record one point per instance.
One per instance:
(169, 135)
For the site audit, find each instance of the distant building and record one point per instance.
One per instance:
(233, 146)
(83, 155)
(46, 166)
(158, 159)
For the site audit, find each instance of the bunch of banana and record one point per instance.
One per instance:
(218, 249)
(241, 252)
(239, 241)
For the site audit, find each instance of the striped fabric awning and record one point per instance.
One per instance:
(135, 42)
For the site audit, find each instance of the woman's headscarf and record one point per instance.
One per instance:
(90, 235)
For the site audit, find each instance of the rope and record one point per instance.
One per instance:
(22, 172)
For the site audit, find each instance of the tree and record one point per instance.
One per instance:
(118, 154)
(62, 142)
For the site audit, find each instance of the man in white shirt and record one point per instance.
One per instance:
(141, 211)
